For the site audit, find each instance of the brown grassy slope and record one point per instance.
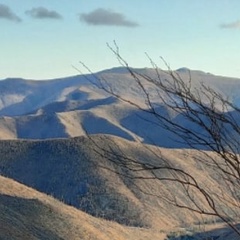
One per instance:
(74, 170)
(78, 172)
(61, 166)
(8, 128)
(28, 214)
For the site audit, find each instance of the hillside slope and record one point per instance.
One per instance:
(28, 214)
(82, 173)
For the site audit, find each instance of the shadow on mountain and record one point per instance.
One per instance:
(164, 128)
(76, 104)
(40, 127)
(24, 219)
(149, 128)
(94, 124)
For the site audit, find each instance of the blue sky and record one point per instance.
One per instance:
(42, 39)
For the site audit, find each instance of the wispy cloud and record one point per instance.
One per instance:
(232, 25)
(106, 17)
(6, 13)
(43, 13)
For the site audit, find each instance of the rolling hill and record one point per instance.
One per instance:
(29, 214)
(79, 173)
(67, 149)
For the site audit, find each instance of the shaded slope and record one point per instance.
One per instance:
(71, 105)
(40, 127)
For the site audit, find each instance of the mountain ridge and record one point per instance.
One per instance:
(52, 89)
(65, 107)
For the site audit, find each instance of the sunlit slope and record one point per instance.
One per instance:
(82, 173)
(28, 214)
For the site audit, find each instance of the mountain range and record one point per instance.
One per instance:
(72, 106)
(59, 182)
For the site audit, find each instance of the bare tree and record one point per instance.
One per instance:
(210, 127)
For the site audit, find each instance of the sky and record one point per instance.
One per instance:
(44, 39)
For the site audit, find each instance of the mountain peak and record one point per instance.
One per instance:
(119, 70)
(183, 69)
